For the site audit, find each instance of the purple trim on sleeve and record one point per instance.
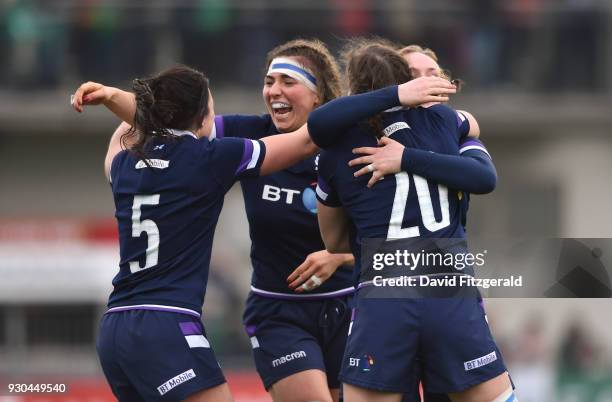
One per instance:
(246, 157)
(219, 127)
(250, 329)
(459, 121)
(471, 142)
(353, 314)
(191, 328)
(323, 185)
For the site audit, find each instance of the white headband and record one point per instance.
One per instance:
(294, 70)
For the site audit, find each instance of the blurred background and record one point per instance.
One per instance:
(537, 76)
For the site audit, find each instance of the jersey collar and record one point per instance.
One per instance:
(180, 133)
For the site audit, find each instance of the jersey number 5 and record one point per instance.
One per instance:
(147, 226)
(402, 181)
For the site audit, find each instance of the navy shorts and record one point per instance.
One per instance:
(156, 355)
(444, 342)
(290, 336)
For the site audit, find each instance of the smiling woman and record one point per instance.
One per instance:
(301, 75)
(287, 101)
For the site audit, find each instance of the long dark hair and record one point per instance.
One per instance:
(176, 98)
(373, 64)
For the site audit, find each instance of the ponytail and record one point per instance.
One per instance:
(176, 98)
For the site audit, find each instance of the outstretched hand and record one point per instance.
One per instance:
(424, 90)
(380, 161)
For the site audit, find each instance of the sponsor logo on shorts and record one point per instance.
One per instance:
(481, 361)
(364, 363)
(175, 381)
(288, 358)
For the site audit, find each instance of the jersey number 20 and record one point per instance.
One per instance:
(402, 181)
(147, 226)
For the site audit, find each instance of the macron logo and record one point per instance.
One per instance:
(178, 380)
(288, 358)
(481, 361)
(155, 163)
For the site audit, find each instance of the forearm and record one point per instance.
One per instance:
(334, 227)
(473, 172)
(122, 104)
(336, 238)
(339, 245)
(327, 122)
(285, 150)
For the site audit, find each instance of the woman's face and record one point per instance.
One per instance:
(289, 102)
(422, 65)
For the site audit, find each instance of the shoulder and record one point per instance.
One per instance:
(445, 112)
(441, 118)
(221, 145)
(245, 126)
(341, 151)
(324, 159)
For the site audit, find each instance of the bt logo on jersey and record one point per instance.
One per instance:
(275, 194)
(272, 193)
(364, 363)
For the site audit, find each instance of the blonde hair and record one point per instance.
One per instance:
(432, 55)
(418, 49)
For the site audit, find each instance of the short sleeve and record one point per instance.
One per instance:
(449, 120)
(235, 158)
(241, 126)
(326, 193)
(464, 125)
(470, 144)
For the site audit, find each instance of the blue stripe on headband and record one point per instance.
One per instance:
(288, 66)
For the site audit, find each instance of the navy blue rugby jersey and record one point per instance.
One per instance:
(167, 213)
(282, 212)
(403, 205)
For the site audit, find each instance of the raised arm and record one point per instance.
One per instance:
(329, 121)
(284, 150)
(121, 103)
